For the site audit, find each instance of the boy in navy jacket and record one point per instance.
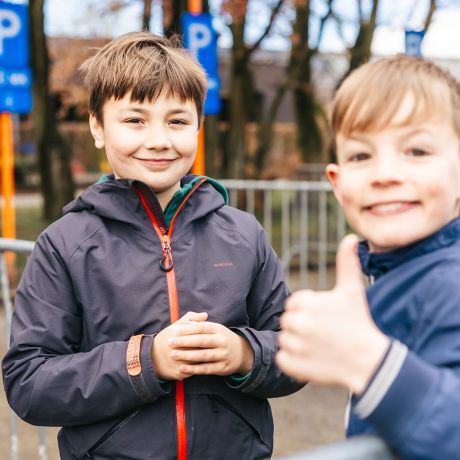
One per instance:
(396, 128)
(146, 320)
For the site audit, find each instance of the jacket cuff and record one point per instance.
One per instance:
(389, 367)
(149, 388)
(400, 387)
(260, 367)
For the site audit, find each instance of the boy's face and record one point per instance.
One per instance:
(398, 185)
(152, 141)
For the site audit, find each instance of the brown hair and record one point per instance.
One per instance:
(370, 96)
(146, 65)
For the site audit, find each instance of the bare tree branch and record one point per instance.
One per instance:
(359, 4)
(275, 12)
(430, 14)
(322, 24)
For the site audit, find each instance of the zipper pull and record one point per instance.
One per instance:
(166, 263)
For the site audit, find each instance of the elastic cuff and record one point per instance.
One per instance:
(238, 381)
(392, 361)
(157, 387)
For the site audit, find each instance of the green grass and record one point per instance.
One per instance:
(29, 223)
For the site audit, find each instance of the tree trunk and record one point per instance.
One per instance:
(309, 139)
(54, 155)
(172, 11)
(147, 14)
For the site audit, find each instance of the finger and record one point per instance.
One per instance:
(297, 300)
(299, 322)
(194, 341)
(294, 344)
(292, 366)
(193, 316)
(196, 356)
(203, 369)
(348, 267)
(192, 328)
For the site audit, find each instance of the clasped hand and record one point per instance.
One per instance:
(194, 346)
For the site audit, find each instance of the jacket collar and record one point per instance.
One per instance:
(117, 199)
(377, 264)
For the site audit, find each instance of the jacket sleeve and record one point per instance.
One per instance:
(47, 379)
(265, 304)
(413, 400)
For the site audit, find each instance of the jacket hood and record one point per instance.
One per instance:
(377, 264)
(117, 199)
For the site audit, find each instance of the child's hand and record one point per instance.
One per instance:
(165, 367)
(211, 349)
(329, 337)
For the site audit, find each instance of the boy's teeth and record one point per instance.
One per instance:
(388, 206)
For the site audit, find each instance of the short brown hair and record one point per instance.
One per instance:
(370, 96)
(146, 65)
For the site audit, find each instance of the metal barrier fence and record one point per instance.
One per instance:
(16, 246)
(303, 221)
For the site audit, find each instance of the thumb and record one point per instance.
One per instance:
(193, 316)
(348, 266)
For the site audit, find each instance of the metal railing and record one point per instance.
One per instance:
(16, 246)
(303, 221)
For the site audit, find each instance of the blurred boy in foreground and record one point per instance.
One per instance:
(396, 127)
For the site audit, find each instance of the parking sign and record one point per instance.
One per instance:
(14, 49)
(15, 78)
(201, 39)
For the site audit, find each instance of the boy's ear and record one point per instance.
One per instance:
(333, 174)
(97, 131)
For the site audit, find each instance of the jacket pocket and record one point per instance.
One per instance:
(109, 433)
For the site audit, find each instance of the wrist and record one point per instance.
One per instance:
(247, 356)
(157, 359)
(369, 359)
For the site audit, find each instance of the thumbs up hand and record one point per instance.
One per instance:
(329, 336)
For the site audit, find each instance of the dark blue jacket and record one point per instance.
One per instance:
(94, 280)
(413, 401)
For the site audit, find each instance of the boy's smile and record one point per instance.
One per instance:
(398, 185)
(151, 141)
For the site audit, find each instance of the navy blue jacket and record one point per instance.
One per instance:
(413, 400)
(94, 280)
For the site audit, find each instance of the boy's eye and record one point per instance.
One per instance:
(178, 121)
(417, 152)
(135, 121)
(359, 157)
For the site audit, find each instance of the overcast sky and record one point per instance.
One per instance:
(75, 17)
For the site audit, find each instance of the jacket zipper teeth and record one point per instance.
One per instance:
(165, 240)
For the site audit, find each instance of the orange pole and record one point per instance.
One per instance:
(196, 7)
(198, 164)
(8, 212)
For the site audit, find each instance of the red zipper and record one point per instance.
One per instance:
(167, 265)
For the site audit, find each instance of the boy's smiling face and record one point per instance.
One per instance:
(151, 141)
(401, 184)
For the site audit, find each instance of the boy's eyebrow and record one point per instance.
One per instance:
(140, 109)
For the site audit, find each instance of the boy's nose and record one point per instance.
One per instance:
(387, 170)
(157, 139)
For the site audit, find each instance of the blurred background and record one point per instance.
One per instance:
(277, 66)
